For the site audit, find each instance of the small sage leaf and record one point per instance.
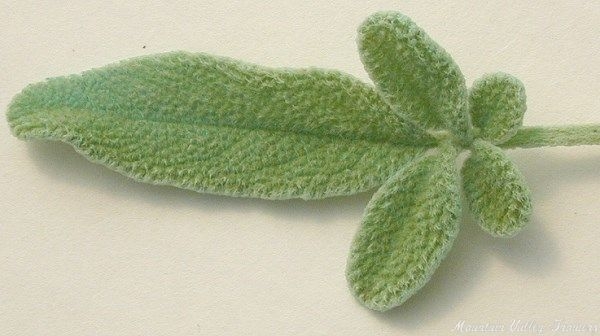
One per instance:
(497, 105)
(408, 227)
(495, 190)
(414, 73)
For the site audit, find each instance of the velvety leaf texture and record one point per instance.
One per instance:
(407, 229)
(414, 73)
(497, 105)
(217, 125)
(495, 190)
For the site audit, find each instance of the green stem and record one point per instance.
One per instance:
(540, 136)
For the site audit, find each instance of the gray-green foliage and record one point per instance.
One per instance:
(217, 125)
(222, 126)
(408, 227)
(495, 190)
(497, 103)
(413, 73)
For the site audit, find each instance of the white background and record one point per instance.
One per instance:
(86, 251)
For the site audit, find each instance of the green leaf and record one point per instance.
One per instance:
(408, 227)
(216, 125)
(497, 103)
(414, 73)
(495, 190)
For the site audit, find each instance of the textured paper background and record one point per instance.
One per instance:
(85, 251)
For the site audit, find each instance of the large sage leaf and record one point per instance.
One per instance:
(216, 125)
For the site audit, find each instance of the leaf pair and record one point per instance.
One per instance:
(218, 125)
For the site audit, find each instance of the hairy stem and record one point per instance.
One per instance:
(541, 136)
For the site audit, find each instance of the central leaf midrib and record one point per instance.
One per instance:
(203, 122)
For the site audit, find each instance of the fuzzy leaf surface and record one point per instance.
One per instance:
(408, 227)
(497, 105)
(222, 126)
(495, 190)
(414, 73)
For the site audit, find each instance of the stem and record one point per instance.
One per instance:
(540, 136)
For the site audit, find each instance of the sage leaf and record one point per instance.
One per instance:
(497, 105)
(414, 73)
(495, 190)
(221, 126)
(408, 227)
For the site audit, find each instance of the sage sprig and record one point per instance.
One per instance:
(221, 126)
